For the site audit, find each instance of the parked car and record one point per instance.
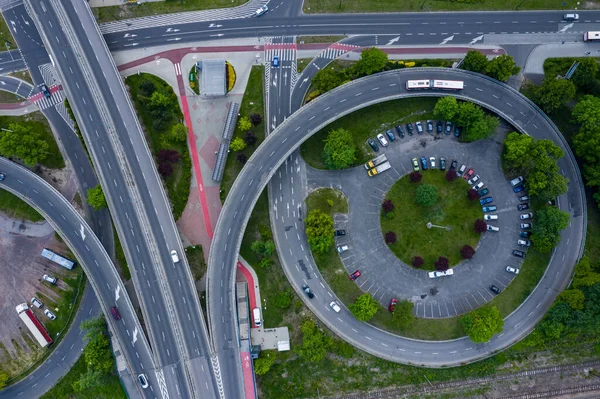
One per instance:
(525, 234)
(516, 181)
(524, 243)
(50, 279)
(461, 170)
(439, 127)
(483, 192)
(492, 228)
(429, 126)
(142, 377)
(275, 61)
(454, 164)
(448, 127)
(448, 272)
(519, 254)
(390, 135)
(424, 163)
(409, 129)
(373, 144)
(512, 270)
(495, 289)
(50, 315)
(415, 164)
(442, 163)
(115, 313)
(382, 140)
(478, 186)
(174, 256)
(523, 207)
(457, 131)
(486, 200)
(490, 217)
(525, 226)
(342, 248)
(468, 174)
(355, 275)
(419, 127)
(400, 131)
(518, 189)
(36, 302)
(307, 291)
(490, 208)
(524, 198)
(334, 305)
(339, 233)
(524, 216)
(392, 305)
(473, 180)
(432, 162)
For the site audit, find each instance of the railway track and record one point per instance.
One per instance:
(558, 392)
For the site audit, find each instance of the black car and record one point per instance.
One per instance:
(456, 131)
(518, 254)
(308, 292)
(409, 129)
(442, 163)
(373, 144)
(525, 234)
(448, 127)
(439, 127)
(400, 131)
(495, 289)
(522, 207)
(483, 192)
(454, 164)
(390, 135)
(339, 233)
(45, 90)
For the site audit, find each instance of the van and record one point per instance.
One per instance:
(256, 317)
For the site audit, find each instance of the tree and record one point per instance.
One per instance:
(241, 157)
(97, 352)
(472, 194)
(339, 151)
(482, 128)
(314, 343)
(390, 237)
(584, 276)
(467, 114)
(244, 124)
(502, 68)
(166, 155)
(480, 226)
(165, 169)
(474, 61)
(549, 222)
(481, 324)
(87, 380)
(573, 297)
(22, 142)
(586, 74)
(587, 112)
(451, 175)
(403, 316)
(417, 261)
(467, 252)
(446, 108)
(265, 361)
(283, 300)
(372, 60)
(327, 79)
(269, 248)
(250, 137)
(265, 263)
(364, 307)
(426, 195)
(179, 132)
(441, 264)
(95, 197)
(3, 378)
(553, 94)
(319, 231)
(256, 119)
(258, 246)
(237, 144)
(146, 88)
(415, 177)
(387, 205)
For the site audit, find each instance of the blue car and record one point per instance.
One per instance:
(486, 200)
(457, 131)
(390, 135)
(400, 131)
(490, 208)
(373, 144)
(424, 163)
(518, 189)
(483, 192)
(276, 61)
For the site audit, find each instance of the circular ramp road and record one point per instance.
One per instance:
(492, 95)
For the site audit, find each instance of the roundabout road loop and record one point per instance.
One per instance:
(493, 95)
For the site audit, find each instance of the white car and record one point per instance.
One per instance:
(336, 308)
(50, 279)
(524, 243)
(419, 127)
(142, 377)
(492, 228)
(512, 270)
(448, 272)
(49, 314)
(262, 10)
(490, 217)
(174, 256)
(473, 180)
(36, 302)
(524, 216)
(517, 181)
(342, 248)
(382, 140)
(478, 186)
(432, 162)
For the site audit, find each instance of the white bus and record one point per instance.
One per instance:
(434, 84)
(591, 36)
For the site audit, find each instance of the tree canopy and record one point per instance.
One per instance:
(264, 362)
(502, 67)
(95, 197)
(474, 61)
(315, 343)
(372, 60)
(446, 108)
(319, 231)
(364, 307)
(553, 93)
(403, 316)
(587, 113)
(426, 195)
(237, 144)
(327, 79)
(244, 123)
(22, 142)
(339, 151)
(549, 222)
(481, 324)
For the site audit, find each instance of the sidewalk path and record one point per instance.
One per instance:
(16, 109)
(25, 228)
(253, 290)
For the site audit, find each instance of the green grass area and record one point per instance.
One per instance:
(367, 122)
(120, 255)
(16, 208)
(6, 36)
(178, 184)
(302, 63)
(38, 123)
(253, 102)
(7, 97)
(24, 75)
(195, 84)
(319, 39)
(348, 6)
(195, 258)
(133, 10)
(453, 209)
(66, 307)
(322, 199)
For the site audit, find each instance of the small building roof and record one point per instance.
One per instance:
(214, 80)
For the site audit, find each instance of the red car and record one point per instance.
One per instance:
(393, 303)
(115, 313)
(468, 174)
(355, 275)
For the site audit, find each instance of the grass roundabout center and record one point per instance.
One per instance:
(408, 220)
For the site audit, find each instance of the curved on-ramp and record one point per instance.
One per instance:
(491, 94)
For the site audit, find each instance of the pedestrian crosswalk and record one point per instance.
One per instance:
(49, 75)
(57, 97)
(177, 69)
(336, 49)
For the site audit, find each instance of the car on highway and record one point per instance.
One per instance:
(436, 274)
(483, 192)
(525, 216)
(424, 163)
(419, 127)
(473, 180)
(492, 228)
(382, 140)
(409, 129)
(174, 256)
(432, 162)
(442, 163)
(523, 207)
(453, 164)
(490, 208)
(45, 90)
(518, 254)
(486, 200)
(512, 270)
(355, 275)
(429, 126)
(275, 61)
(518, 189)
(525, 226)
(36, 302)
(439, 127)
(390, 135)
(50, 279)
(495, 289)
(50, 315)
(415, 164)
(478, 186)
(456, 131)
(334, 305)
(142, 377)
(392, 305)
(262, 10)
(307, 291)
(468, 174)
(115, 313)
(2, 176)
(525, 234)
(461, 170)
(448, 127)
(571, 17)
(373, 144)
(524, 198)
(342, 248)
(524, 243)
(339, 233)
(490, 217)
(400, 131)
